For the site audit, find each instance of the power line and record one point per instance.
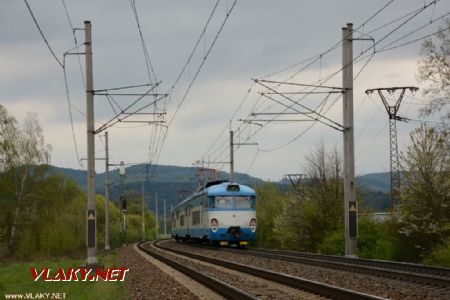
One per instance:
(229, 11)
(412, 41)
(75, 41)
(371, 141)
(203, 61)
(155, 143)
(334, 47)
(148, 62)
(43, 36)
(314, 59)
(195, 48)
(69, 105)
(232, 117)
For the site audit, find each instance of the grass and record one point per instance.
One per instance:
(15, 278)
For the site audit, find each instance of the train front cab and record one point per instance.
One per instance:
(232, 216)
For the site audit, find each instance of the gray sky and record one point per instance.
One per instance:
(259, 38)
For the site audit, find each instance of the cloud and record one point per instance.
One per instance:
(259, 38)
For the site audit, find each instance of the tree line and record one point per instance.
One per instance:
(43, 213)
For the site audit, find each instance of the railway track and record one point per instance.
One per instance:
(216, 285)
(422, 274)
(315, 288)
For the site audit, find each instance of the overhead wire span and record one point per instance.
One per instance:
(371, 55)
(75, 41)
(232, 117)
(203, 62)
(208, 52)
(69, 106)
(148, 63)
(183, 69)
(160, 141)
(372, 140)
(320, 56)
(412, 41)
(107, 124)
(42, 35)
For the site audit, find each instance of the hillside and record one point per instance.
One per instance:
(165, 181)
(168, 181)
(377, 182)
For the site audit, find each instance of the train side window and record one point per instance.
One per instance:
(196, 217)
(181, 220)
(211, 202)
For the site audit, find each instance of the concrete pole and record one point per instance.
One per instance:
(231, 157)
(107, 246)
(142, 213)
(91, 217)
(121, 201)
(350, 206)
(165, 221)
(156, 217)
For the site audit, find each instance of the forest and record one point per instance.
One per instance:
(43, 213)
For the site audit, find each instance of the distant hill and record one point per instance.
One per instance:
(165, 181)
(377, 182)
(168, 181)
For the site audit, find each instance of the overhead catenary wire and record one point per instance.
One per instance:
(203, 62)
(192, 81)
(203, 32)
(43, 36)
(311, 61)
(74, 40)
(148, 63)
(69, 106)
(158, 143)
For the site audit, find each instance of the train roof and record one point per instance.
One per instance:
(222, 189)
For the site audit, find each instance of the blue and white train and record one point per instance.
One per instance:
(223, 213)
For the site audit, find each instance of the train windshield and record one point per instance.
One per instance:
(233, 202)
(243, 202)
(223, 202)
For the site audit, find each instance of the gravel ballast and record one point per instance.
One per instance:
(383, 287)
(146, 281)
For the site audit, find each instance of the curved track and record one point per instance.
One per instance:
(296, 282)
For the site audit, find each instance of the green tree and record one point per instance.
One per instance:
(24, 158)
(8, 136)
(307, 218)
(434, 70)
(268, 205)
(424, 215)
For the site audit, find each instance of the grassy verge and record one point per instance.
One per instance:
(15, 278)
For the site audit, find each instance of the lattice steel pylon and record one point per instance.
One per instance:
(296, 183)
(392, 111)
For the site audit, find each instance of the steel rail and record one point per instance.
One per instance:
(429, 275)
(296, 282)
(222, 288)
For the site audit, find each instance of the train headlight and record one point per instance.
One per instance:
(214, 225)
(253, 225)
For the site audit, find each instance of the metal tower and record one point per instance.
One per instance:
(392, 111)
